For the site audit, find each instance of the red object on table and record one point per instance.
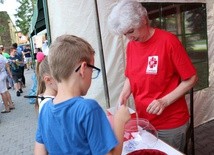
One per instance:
(147, 152)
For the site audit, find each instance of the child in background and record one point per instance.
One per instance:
(71, 124)
(16, 70)
(47, 88)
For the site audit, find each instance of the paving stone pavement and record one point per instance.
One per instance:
(17, 128)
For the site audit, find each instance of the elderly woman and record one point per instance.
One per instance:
(158, 72)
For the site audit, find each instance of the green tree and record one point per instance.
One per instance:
(24, 14)
(196, 19)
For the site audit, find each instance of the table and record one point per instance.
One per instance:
(159, 145)
(147, 138)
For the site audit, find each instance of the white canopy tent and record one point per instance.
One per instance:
(79, 17)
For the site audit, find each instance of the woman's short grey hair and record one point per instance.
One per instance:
(126, 14)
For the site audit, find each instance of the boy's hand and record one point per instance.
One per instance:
(122, 114)
(122, 101)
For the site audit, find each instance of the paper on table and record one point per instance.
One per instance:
(160, 145)
(112, 110)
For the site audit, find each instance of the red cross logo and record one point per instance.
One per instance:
(152, 62)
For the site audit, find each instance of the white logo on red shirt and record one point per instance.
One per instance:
(152, 66)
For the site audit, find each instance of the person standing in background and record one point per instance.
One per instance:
(27, 56)
(3, 52)
(45, 47)
(15, 62)
(47, 88)
(9, 79)
(6, 97)
(158, 72)
(21, 65)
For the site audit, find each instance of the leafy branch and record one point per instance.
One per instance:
(24, 15)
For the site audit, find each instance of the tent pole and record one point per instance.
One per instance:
(192, 122)
(47, 22)
(32, 51)
(102, 59)
(33, 47)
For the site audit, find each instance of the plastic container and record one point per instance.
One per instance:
(139, 134)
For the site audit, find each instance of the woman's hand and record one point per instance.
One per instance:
(156, 107)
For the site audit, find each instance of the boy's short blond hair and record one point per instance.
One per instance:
(65, 53)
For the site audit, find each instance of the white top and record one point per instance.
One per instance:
(42, 102)
(45, 48)
(3, 61)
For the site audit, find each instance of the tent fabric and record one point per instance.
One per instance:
(204, 99)
(38, 19)
(83, 23)
(78, 17)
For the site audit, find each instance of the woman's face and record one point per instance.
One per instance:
(138, 34)
(133, 34)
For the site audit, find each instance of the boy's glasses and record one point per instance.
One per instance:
(95, 71)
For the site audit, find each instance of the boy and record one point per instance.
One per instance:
(15, 62)
(70, 124)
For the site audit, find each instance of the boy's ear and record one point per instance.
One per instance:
(82, 69)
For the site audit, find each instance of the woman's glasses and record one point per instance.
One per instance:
(95, 71)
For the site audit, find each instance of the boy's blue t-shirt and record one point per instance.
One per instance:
(77, 126)
(14, 67)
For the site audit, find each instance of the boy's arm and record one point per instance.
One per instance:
(39, 149)
(120, 118)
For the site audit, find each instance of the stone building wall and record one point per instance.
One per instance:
(7, 30)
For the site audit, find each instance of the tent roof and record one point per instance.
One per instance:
(38, 19)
